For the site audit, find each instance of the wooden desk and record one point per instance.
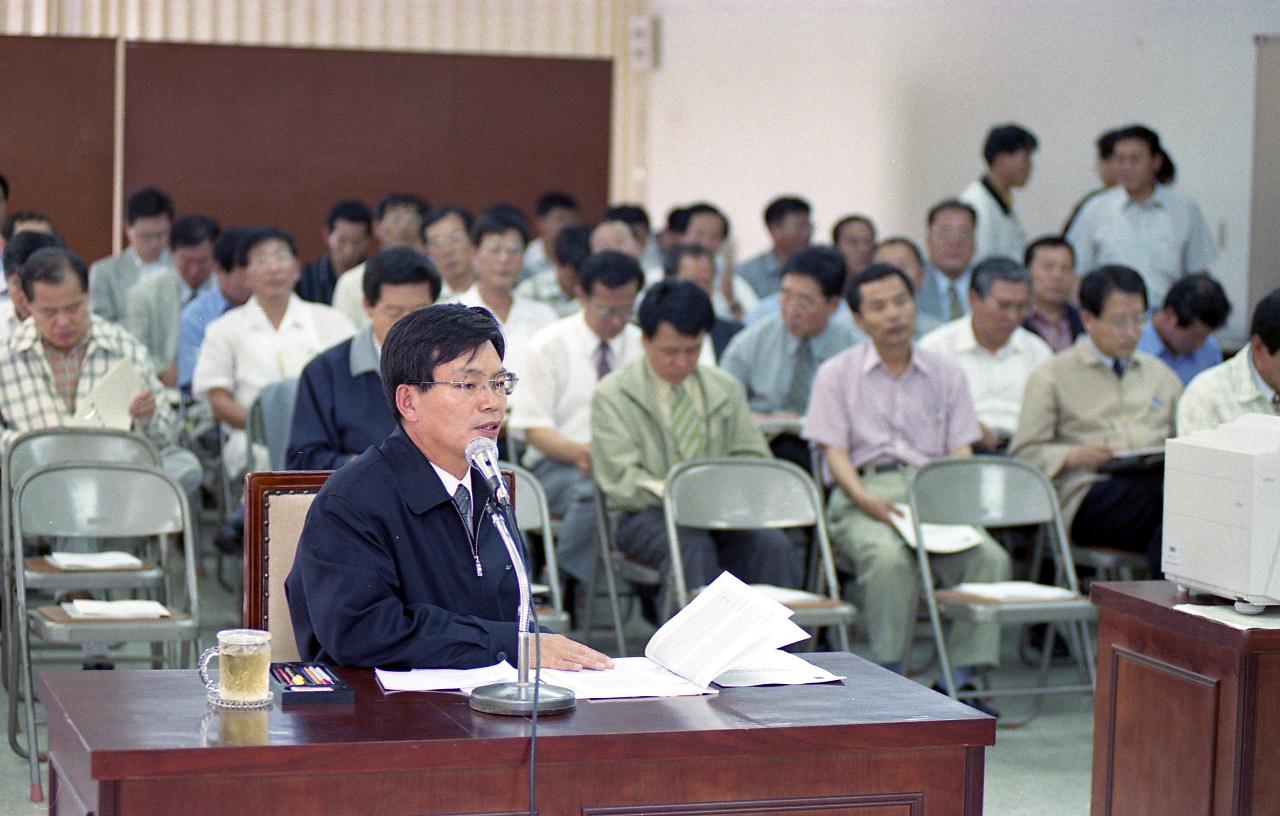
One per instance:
(879, 745)
(1187, 718)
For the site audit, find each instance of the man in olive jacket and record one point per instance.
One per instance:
(663, 409)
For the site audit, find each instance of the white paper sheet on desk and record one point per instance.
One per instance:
(110, 560)
(773, 667)
(1015, 591)
(115, 609)
(939, 539)
(107, 405)
(445, 679)
(629, 677)
(1228, 615)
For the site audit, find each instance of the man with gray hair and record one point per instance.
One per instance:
(996, 354)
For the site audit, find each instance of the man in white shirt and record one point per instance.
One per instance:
(996, 354)
(148, 214)
(446, 231)
(398, 220)
(565, 360)
(1245, 384)
(553, 212)
(1142, 223)
(558, 287)
(270, 338)
(1007, 151)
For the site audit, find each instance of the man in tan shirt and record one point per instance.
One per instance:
(1094, 401)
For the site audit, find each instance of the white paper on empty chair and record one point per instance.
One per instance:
(110, 560)
(87, 609)
(107, 405)
(939, 539)
(1015, 591)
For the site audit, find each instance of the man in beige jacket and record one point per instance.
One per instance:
(1092, 403)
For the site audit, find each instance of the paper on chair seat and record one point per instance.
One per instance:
(786, 595)
(115, 609)
(940, 539)
(1015, 591)
(113, 559)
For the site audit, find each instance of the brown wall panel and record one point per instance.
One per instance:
(56, 106)
(275, 135)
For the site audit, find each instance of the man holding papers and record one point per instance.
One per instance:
(879, 410)
(399, 565)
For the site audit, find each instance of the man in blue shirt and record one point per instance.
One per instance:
(943, 294)
(1180, 333)
(341, 409)
(232, 290)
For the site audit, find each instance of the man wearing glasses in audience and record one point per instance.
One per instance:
(397, 221)
(446, 231)
(399, 566)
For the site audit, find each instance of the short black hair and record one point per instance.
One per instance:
(783, 206)
(707, 207)
(259, 235)
(349, 210)
(823, 264)
(677, 253)
(4, 187)
(1141, 133)
(1095, 286)
(147, 203)
(681, 303)
(994, 268)
(950, 204)
(1008, 138)
(678, 220)
(52, 265)
(396, 200)
(496, 221)
(633, 215)
(11, 220)
(193, 230)
(1265, 324)
(856, 218)
(395, 266)
(573, 245)
(444, 211)
(421, 341)
(1046, 242)
(23, 246)
(873, 273)
(1106, 145)
(224, 249)
(1198, 297)
(610, 269)
(507, 210)
(903, 240)
(554, 200)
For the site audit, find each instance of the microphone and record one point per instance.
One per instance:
(482, 453)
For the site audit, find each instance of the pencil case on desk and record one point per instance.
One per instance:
(306, 683)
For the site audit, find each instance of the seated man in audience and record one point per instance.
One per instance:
(446, 231)
(231, 290)
(270, 338)
(558, 287)
(341, 408)
(854, 237)
(996, 354)
(499, 239)
(696, 264)
(553, 212)
(1181, 333)
(901, 252)
(154, 304)
(1245, 384)
(790, 226)
(949, 242)
(15, 308)
(384, 576)
(148, 214)
(705, 225)
(878, 411)
(635, 217)
(1007, 152)
(397, 221)
(23, 221)
(663, 409)
(777, 358)
(1052, 265)
(565, 361)
(1099, 398)
(346, 233)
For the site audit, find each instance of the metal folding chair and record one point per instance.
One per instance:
(749, 493)
(995, 491)
(99, 500)
(614, 566)
(533, 515)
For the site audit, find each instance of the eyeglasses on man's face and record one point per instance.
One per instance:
(503, 384)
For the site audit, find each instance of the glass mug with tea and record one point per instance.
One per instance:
(244, 668)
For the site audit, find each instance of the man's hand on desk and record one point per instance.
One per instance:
(559, 652)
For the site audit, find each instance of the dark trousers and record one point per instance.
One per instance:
(1124, 512)
(792, 449)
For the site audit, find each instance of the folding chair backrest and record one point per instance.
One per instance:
(986, 491)
(35, 448)
(743, 492)
(271, 419)
(533, 515)
(98, 500)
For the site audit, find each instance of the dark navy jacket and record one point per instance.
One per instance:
(384, 575)
(341, 409)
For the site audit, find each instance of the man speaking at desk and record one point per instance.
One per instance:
(399, 566)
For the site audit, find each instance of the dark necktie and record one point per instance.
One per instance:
(463, 499)
(1118, 367)
(604, 360)
(802, 373)
(1275, 402)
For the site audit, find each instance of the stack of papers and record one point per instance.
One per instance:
(939, 539)
(107, 405)
(1016, 591)
(111, 560)
(115, 609)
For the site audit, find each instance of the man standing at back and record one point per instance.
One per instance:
(790, 226)
(1007, 152)
(943, 293)
(148, 214)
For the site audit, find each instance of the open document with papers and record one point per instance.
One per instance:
(107, 405)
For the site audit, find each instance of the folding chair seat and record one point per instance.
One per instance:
(533, 516)
(614, 566)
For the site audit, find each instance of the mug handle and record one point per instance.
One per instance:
(206, 656)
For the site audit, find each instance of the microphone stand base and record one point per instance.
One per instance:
(516, 699)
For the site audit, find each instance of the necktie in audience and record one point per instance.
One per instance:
(956, 307)
(604, 360)
(1275, 402)
(686, 425)
(802, 374)
(1117, 367)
